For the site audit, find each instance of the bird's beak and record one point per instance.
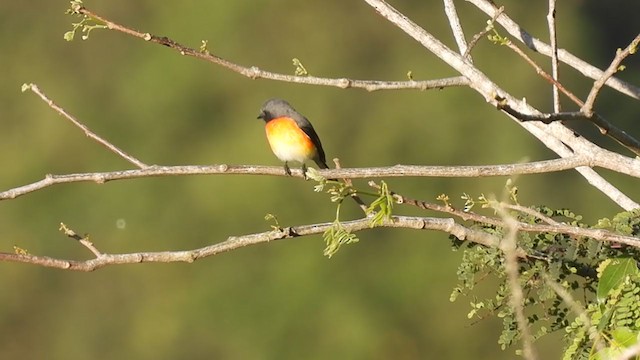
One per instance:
(261, 116)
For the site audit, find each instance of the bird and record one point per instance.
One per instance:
(291, 136)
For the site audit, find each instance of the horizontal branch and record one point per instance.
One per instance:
(236, 242)
(447, 225)
(254, 72)
(345, 173)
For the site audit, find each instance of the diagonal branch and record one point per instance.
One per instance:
(588, 70)
(256, 73)
(484, 32)
(456, 28)
(613, 68)
(551, 79)
(90, 134)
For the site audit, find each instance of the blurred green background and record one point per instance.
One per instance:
(387, 296)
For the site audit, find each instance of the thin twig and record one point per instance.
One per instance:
(529, 211)
(256, 73)
(484, 32)
(456, 28)
(613, 68)
(551, 79)
(546, 118)
(551, 20)
(84, 240)
(588, 70)
(90, 134)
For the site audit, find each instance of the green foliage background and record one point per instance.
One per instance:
(386, 296)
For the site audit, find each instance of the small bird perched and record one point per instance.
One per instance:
(291, 136)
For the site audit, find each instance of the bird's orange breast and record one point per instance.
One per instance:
(288, 142)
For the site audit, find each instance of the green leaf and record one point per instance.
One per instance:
(69, 35)
(380, 209)
(335, 237)
(614, 275)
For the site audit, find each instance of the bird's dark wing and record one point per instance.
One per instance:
(308, 129)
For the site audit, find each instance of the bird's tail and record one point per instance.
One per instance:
(321, 164)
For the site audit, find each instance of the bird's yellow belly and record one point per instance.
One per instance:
(288, 142)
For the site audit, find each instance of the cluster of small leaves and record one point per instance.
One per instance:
(495, 36)
(86, 24)
(380, 209)
(204, 49)
(568, 261)
(336, 236)
(300, 69)
(627, 223)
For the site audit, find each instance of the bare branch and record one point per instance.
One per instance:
(566, 57)
(235, 242)
(551, 20)
(90, 134)
(256, 73)
(613, 68)
(447, 225)
(456, 28)
(630, 167)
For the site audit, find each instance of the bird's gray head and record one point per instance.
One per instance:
(275, 108)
